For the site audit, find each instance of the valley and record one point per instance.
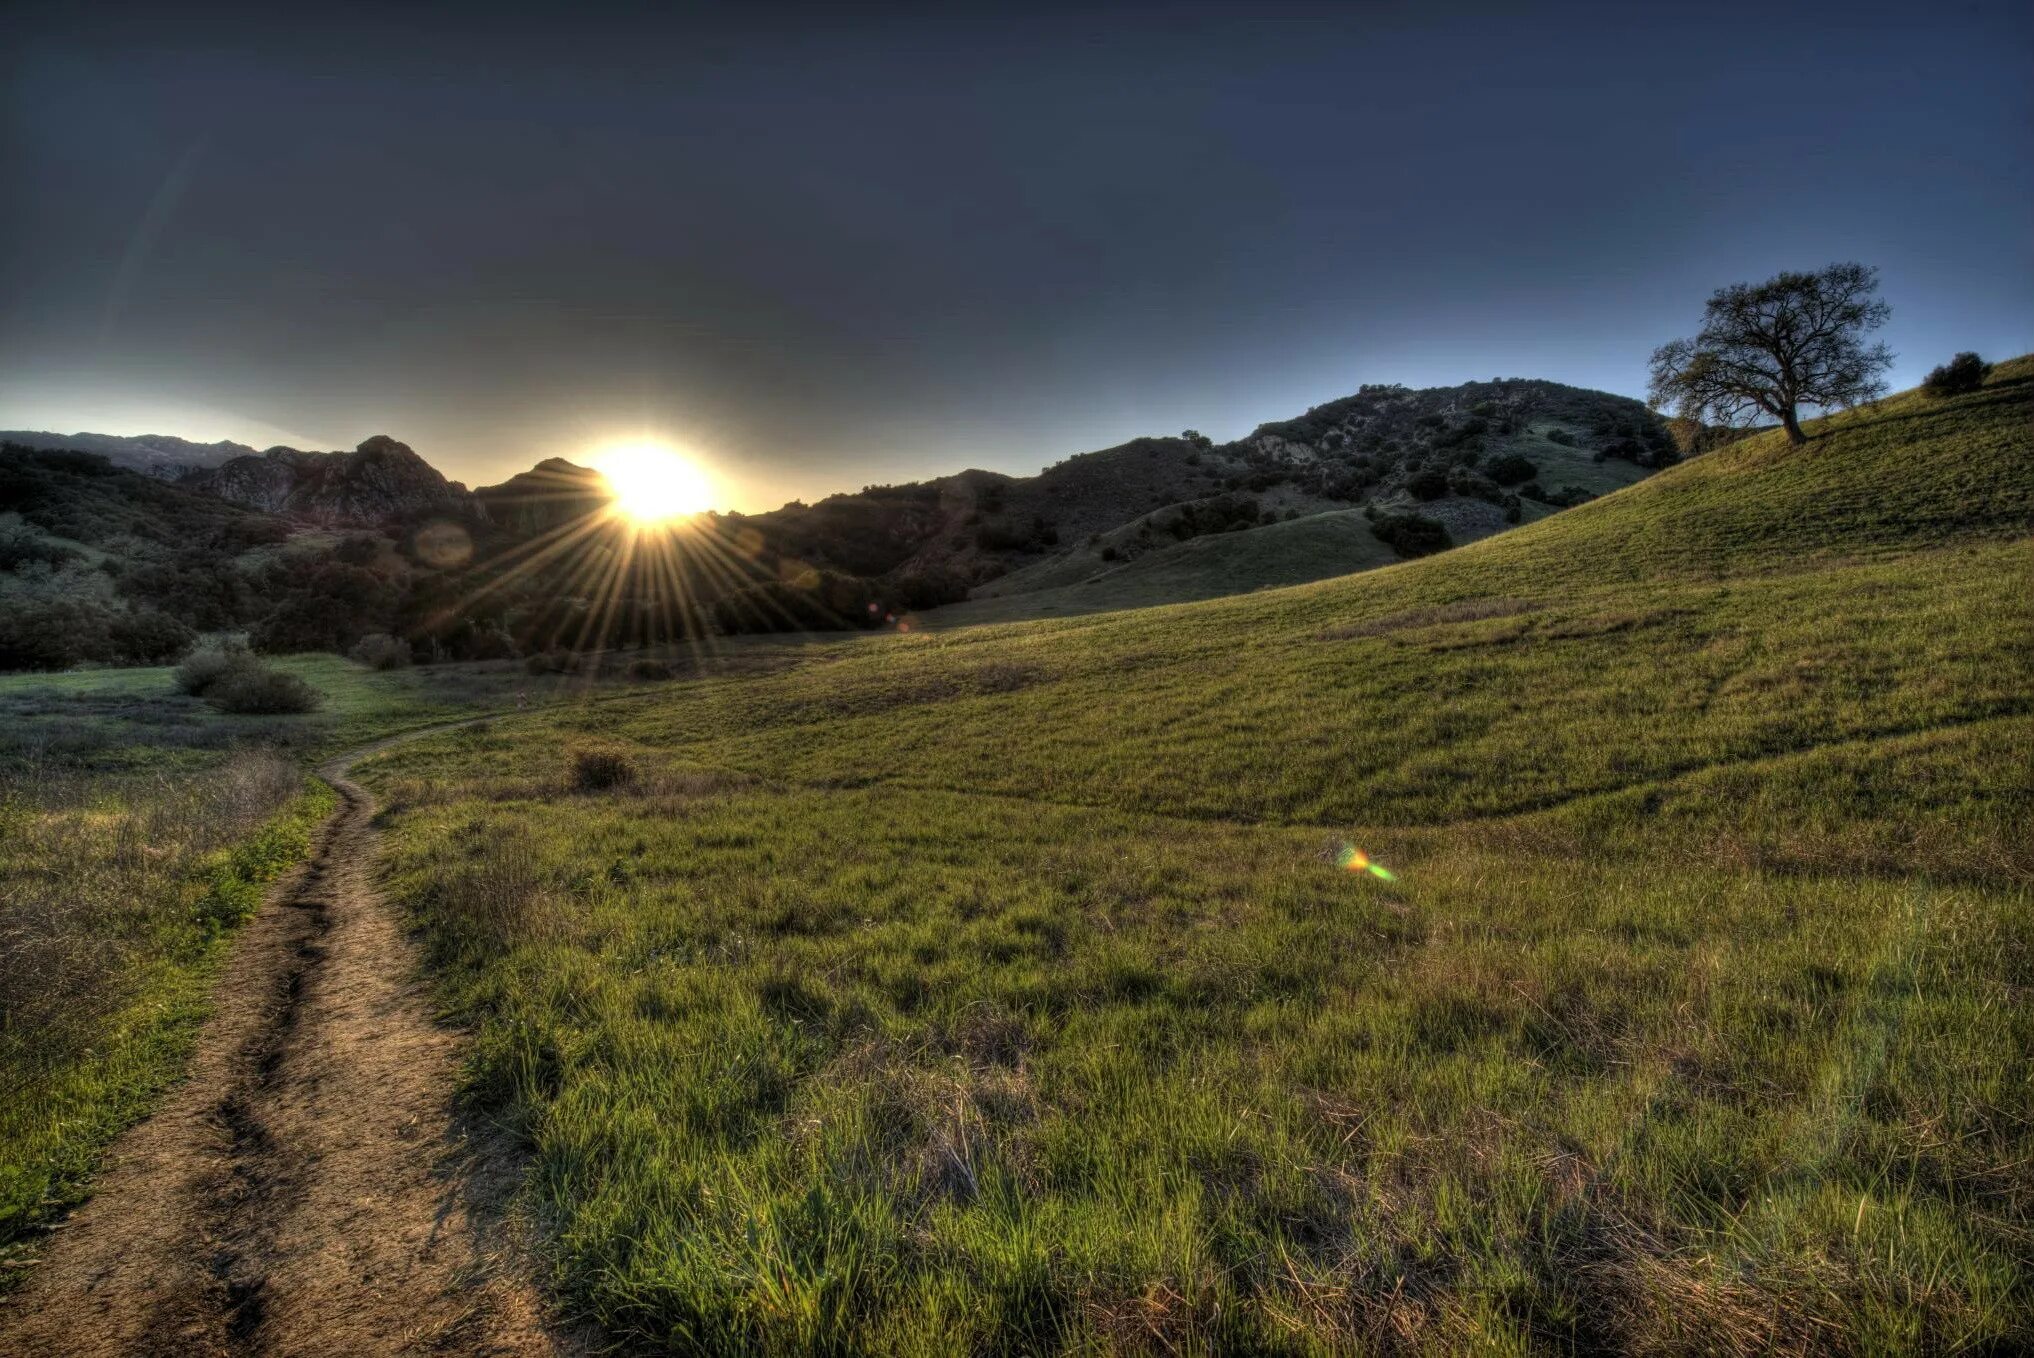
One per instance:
(1003, 984)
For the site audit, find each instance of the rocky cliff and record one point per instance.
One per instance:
(381, 482)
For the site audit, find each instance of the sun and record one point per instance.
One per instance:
(653, 482)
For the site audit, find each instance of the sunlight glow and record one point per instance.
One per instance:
(653, 482)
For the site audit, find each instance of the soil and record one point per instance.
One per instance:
(311, 1189)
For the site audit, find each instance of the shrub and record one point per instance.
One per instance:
(380, 651)
(1001, 537)
(602, 770)
(149, 636)
(1562, 437)
(1429, 484)
(649, 669)
(1965, 372)
(1412, 535)
(1512, 469)
(256, 690)
(203, 669)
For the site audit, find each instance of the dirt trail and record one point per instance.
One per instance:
(310, 1189)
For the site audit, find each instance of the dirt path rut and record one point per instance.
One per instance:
(310, 1190)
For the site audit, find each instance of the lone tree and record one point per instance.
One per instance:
(1794, 340)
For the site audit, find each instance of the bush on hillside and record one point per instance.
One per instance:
(1965, 372)
(1428, 484)
(21, 545)
(50, 627)
(52, 633)
(1412, 535)
(255, 690)
(602, 770)
(149, 636)
(647, 668)
(325, 605)
(380, 651)
(1563, 498)
(1512, 469)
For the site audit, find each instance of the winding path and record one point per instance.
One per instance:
(310, 1189)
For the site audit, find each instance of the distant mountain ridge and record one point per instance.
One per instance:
(163, 456)
(536, 562)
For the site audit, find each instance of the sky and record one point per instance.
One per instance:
(829, 247)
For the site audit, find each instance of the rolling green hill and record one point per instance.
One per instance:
(1005, 989)
(1338, 542)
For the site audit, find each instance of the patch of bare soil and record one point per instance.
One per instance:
(311, 1189)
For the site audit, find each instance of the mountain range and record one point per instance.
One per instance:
(1385, 473)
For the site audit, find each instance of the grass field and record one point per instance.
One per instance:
(1298, 551)
(138, 827)
(1000, 990)
(118, 891)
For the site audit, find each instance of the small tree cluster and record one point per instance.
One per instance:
(1412, 535)
(1964, 373)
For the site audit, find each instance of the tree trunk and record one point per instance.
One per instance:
(1793, 425)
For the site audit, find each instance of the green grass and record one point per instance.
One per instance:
(119, 892)
(1561, 465)
(997, 990)
(1295, 552)
(112, 718)
(138, 828)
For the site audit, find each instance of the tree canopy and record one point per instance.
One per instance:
(1796, 339)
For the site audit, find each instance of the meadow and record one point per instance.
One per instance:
(138, 829)
(1004, 989)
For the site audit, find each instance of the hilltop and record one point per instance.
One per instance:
(1010, 984)
(1476, 457)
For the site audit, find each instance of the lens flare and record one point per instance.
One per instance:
(1353, 859)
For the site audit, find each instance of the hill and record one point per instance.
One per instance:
(1025, 986)
(159, 455)
(1476, 454)
(382, 483)
(534, 564)
(101, 564)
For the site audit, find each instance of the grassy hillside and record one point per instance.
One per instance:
(1005, 990)
(1316, 547)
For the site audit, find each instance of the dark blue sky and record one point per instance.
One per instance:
(827, 251)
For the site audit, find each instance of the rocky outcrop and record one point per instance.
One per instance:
(379, 483)
(547, 496)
